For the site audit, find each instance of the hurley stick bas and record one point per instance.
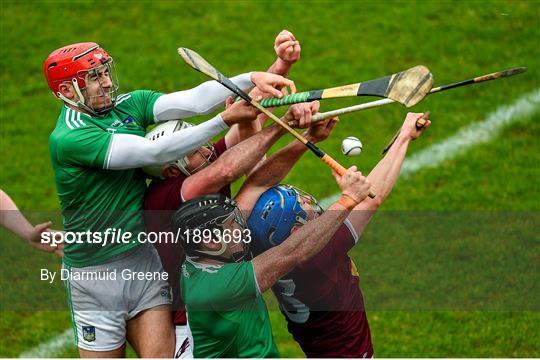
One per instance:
(377, 103)
(407, 87)
(198, 63)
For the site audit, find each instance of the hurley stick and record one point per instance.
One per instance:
(407, 87)
(198, 63)
(377, 103)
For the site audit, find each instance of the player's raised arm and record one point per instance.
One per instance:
(274, 169)
(131, 151)
(385, 174)
(287, 50)
(210, 96)
(309, 239)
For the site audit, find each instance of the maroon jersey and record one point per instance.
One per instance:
(322, 302)
(162, 198)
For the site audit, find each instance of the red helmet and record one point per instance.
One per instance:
(72, 63)
(65, 63)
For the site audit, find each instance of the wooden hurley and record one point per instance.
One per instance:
(407, 87)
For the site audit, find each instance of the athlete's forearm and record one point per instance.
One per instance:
(240, 132)
(13, 219)
(280, 67)
(245, 155)
(203, 99)
(385, 174)
(274, 169)
(131, 151)
(303, 244)
(231, 165)
(383, 177)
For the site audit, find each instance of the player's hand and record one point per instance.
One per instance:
(320, 130)
(410, 130)
(229, 102)
(353, 184)
(272, 84)
(299, 115)
(34, 239)
(287, 47)
(238, 112)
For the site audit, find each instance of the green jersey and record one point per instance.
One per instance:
(226, 313)
(91, 197)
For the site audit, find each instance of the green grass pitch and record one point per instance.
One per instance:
(449, 268)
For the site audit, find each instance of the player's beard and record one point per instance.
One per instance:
(101, 104)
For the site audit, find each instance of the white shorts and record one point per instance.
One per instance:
(183, 348)
(104, 297)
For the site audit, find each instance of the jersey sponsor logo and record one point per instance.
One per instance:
(117, 123)
(185, 272)
(89, 333)
(111, 131)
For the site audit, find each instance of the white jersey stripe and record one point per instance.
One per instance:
(350, 226)
(66, 119)
(79, 119)
(72, 118)
(120, 99)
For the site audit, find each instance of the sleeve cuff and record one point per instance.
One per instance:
(218, 122)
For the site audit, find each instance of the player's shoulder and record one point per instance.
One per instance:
(224, 272)
(136, 96)
(124, 97)
(69, 124)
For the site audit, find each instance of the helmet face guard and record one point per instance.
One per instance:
(208, 218)
(181, 164)
(104, 100)
(217, 228)
(306, 198)
(208, 158)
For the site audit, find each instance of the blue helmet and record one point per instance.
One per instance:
(274, 215)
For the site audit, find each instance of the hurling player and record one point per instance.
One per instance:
(320, 297)
(97, 150)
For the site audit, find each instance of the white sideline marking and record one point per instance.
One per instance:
(52, 347)
(467, 137)
(431, 156)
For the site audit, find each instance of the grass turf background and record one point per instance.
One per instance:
(342, 42)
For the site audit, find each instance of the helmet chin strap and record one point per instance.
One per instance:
(216, 255)
(80, 102)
